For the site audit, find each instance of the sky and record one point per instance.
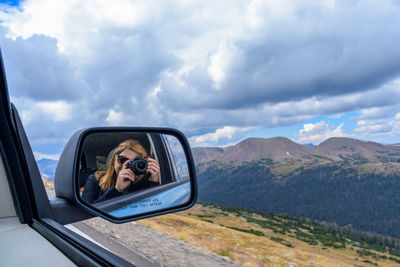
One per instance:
(219, 71)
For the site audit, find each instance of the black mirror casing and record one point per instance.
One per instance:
(67, 185)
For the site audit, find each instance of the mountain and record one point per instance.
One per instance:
(47, 168)
(338, 148)
(277, 149)
(310, 145)
(341, 180)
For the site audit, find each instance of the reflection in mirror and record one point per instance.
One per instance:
(130, 173)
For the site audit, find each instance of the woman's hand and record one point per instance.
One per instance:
(125, 178)
(153, 169)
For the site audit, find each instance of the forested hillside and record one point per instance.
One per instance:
(346, 181)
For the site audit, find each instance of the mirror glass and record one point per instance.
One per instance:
(131, 173)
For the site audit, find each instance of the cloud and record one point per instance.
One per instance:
(225, 133)
(36, 69)
(377, 126)
(286, 113)
(39, 156)
(299, 52)
(374, 127)
(378, 112)
(115, 118)
(220, 63)
(381, 124)
(318, 132)
(199, 66)
(58, 111)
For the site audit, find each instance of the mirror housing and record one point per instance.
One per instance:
(124, 208)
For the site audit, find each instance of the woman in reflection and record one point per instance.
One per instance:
(118, 179)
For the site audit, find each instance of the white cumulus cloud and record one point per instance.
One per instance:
(318, 132)
(58, 110)
(227, 132)
(115, 118)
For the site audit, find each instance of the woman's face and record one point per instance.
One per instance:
(123, 158)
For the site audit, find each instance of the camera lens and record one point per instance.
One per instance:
(141, 165)
(138, 166)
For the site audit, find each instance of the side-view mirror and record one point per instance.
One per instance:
(124, 174)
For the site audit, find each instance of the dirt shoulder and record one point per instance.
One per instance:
(153, 247)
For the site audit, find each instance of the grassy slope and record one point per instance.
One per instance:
(241, 237)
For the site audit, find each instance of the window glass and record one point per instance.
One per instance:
(178, 155)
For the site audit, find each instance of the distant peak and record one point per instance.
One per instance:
(334, 140)
(261, 139)
(309, 145)
(347, 140)
(339, 138)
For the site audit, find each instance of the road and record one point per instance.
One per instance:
(113, 245)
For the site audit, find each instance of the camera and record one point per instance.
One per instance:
(138, 166)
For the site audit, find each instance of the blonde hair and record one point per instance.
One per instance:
(108, 178)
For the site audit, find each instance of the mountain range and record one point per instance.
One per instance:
(281, 149)
(342, 180)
